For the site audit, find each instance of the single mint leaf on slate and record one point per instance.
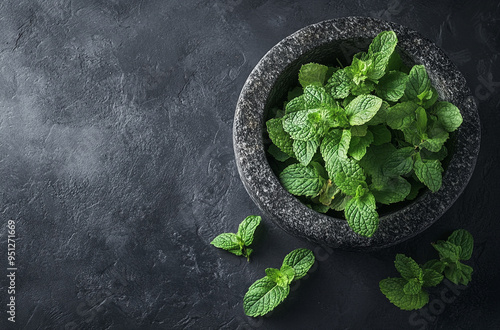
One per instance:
(434, 264)
(263, 296)
(381, 134)
(459, 273)
(229, 242)
(400, 162)
(358, 145)
(279, 137)
(401, 115)
(391, 87)
(448, 115)
(362, 109)
(413, 286)
(279, 155)
(388, 190)
(302, 180)
(421, 117)
(464, 239)
(361, 214)
(302, 125)
(305, 150)
(429, 172)
(312, 74)
(296, 104)
(393, 289)
(407, 267)
(247, 228)
(448, 252)
(338, 85)
(301, 260)
(431, 278)
(418, 85)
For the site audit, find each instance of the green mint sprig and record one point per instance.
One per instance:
(239, 243)
(352, 138)
(407, 292)
(268, 292)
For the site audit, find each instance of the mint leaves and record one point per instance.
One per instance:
(407, 292)
(268, 292)
(239, 243)
(353, 138)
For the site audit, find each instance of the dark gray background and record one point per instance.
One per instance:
(117, 165)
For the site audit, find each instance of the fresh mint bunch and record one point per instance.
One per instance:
(239, 243)
(268, 292)
(407, 293)
(353, 138)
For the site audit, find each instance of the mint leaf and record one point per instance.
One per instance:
(263, 296)
(359, 130)
(418, 86)
(407, 267)
(301, 260)
(430, 98)
(429, 172)
(381, 134)
(379, 52)
(431, 277)
(381, 115)
(296, 104)
(393, 289)
(302, 125)
(305, 150)
(279, 137)
(289, 272)
(312, 74)
(280, 277)
(401, 115)
(414, 190)
(302, 180)
(413, 286)
(338, 85)
(358, 145)
(448, 252)
(361, 214)
(247, 228)
(348, 175)
(294, 93)
(327, 193)
(339, 202)
(434, 264)
(436, 137)
(229, 242)
(334, 148)
(388, 190)
(459, 273)
(375, 158)
(400, 162)
(362, 109)
(391, 87)
(421, 117)
(448, 115)
(279, 155)
(462, 238)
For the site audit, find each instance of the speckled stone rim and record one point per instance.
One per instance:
(266, 81)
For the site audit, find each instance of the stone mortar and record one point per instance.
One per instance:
(323, 42)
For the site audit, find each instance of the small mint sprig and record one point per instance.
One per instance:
(268, 292)
(407, 291)
(239, 243)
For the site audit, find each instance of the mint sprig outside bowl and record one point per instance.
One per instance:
(355, 133)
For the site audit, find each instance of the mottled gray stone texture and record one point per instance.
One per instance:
(117, 165)
(324, 42)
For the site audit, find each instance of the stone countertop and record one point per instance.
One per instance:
(118, 169)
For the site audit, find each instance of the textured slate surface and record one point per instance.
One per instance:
(117, 165)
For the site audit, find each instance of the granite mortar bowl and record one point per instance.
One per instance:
(324, 42)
